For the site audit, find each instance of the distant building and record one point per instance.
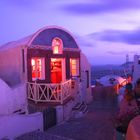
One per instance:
(98, 72)
(136, 68)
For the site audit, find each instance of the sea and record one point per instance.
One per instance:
(98, 71)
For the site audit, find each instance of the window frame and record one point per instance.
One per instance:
(60, 50)
(76, 67)
(42, 68)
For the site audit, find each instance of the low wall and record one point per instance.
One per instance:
(89, 95)
(12, 126)
(102, 92)
(12, 99)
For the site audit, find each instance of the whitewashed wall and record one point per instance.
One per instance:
(12, 126)
(85, 66)
(12, 99)
(11, 67)
(64, 112)
(136, 73)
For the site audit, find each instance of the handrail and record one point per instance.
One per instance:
(40, 92)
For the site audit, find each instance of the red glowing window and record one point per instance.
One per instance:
(38, 71)
(57, 46)
(74, 67)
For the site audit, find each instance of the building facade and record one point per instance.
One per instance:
(51, 65)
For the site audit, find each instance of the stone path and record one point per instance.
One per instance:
(38, 135)
(95, 125)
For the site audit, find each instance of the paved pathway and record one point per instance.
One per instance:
(38, 135)
(95, 125)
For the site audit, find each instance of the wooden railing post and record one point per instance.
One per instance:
(70, 87)
(27, 89)
(61, 93)
(35, 92)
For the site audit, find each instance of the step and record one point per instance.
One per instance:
(84, 108)
(19, 111)
(77, 106)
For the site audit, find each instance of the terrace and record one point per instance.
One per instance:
(50, 93)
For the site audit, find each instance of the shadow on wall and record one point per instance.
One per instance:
(12, 126)
(12, 99)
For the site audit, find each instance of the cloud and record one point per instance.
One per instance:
(121, 52)
(129, 37)
(84, 41)
(102, 6)
(20, 3)
(25, 4)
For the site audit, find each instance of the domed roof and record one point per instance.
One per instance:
(44, 37)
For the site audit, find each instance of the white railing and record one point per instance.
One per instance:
(40, 92)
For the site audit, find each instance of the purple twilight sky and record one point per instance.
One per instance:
(106, 30)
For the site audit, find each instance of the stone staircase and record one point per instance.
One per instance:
(19, 111)
(79, 110)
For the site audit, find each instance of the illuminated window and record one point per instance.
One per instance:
(74, 67)
(38, 71)
(55, 49)
(57, 46)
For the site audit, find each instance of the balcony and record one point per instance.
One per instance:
(49, 93)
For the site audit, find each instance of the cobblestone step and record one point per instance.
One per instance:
(38, 135)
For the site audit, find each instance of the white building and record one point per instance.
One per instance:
(136, 69)
(51, 65)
